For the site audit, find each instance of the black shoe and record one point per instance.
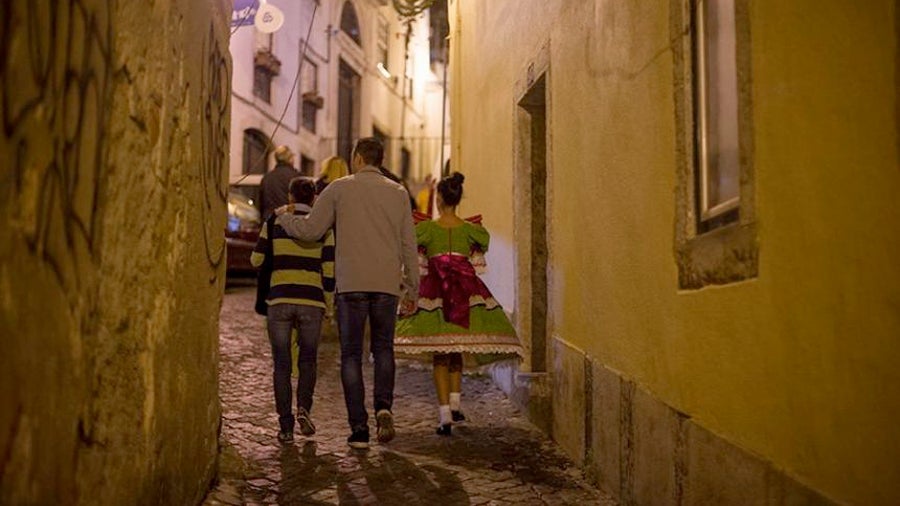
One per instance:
(359, 439)
(306, 426)
(385, 430)
(457, 416)
(443, 430)
(285, 437)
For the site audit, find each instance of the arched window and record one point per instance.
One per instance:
(256, 151)
(350, 23)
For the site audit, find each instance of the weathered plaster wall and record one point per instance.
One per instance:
(797, 366)
(114, 151)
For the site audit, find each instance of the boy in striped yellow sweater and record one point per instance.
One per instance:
(301, 294)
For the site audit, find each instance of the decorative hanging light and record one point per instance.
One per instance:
(411, 9)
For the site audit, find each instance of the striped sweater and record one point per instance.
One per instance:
(302, 272)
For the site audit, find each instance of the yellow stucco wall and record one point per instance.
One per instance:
(798, 366)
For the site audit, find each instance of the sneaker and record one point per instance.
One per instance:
(458, 416)
(385, 425)
(443, 430)
(285, 437)
(306, 426)
(359, 439)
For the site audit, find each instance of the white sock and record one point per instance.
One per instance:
(445, 414)
(454, 401)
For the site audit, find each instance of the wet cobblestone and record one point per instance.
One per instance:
(495, 458)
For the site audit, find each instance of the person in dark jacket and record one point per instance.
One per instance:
(393, 177)
(273, 190)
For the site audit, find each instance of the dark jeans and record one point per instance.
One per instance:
(352, 310)
(282, 318)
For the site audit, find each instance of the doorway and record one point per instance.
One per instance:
(532, 177)
(348, 110)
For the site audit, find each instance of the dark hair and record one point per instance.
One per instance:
(451, 188)
(302, 189)
(371, 150)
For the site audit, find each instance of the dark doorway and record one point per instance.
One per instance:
(256, 152)
(405, 163)
(534, 131)
(348, 110)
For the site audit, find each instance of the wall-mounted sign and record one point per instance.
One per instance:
(244, 12)
(268, 18)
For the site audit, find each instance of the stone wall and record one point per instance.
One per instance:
(112, 196)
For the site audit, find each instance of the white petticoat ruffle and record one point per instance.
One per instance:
(458, 343)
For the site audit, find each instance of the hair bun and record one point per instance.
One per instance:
(458, 177)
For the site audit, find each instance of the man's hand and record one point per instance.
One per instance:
(289, 208)
(407, 307)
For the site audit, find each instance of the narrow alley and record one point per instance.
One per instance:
(497, 457)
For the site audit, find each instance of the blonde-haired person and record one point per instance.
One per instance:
(333, 169)
(273, 189)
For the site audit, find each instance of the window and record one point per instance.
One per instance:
(262, 84)
(715, 230)
(384, 31)
(256, 151)
(716, 102)
(350, 23)
(405, 163)
(312, 102)
(440, 29)
(265, 67)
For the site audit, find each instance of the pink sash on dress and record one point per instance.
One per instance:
(452, 279)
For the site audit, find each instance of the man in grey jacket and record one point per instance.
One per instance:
(375, 264)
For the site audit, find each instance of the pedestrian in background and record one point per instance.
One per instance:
(375, 264)
(456, 313)
(273, 189)
(301, 293)
(425, 197)
(333, 168)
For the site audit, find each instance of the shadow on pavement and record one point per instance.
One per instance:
(361, 477)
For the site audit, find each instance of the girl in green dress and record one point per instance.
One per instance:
(456, 313)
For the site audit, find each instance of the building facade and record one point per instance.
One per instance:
(699, 240)
(356, 80)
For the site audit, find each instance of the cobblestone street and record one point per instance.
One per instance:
(496, 457)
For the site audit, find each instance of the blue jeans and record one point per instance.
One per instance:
(283, 318)
(353, 308)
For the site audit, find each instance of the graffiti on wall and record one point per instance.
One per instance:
(55, 87)
(215, 86)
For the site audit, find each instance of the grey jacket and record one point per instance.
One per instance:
(375, 241)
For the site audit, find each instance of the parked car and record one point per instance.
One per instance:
(241, 231)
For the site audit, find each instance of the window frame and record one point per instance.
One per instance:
(721, 249)
(252, 135)
(350, 22)
(727, 211)
(309, 110)
(262, 84)
(383, 42)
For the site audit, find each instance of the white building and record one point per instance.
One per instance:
(355, 81)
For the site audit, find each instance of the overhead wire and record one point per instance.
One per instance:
(293, 89)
